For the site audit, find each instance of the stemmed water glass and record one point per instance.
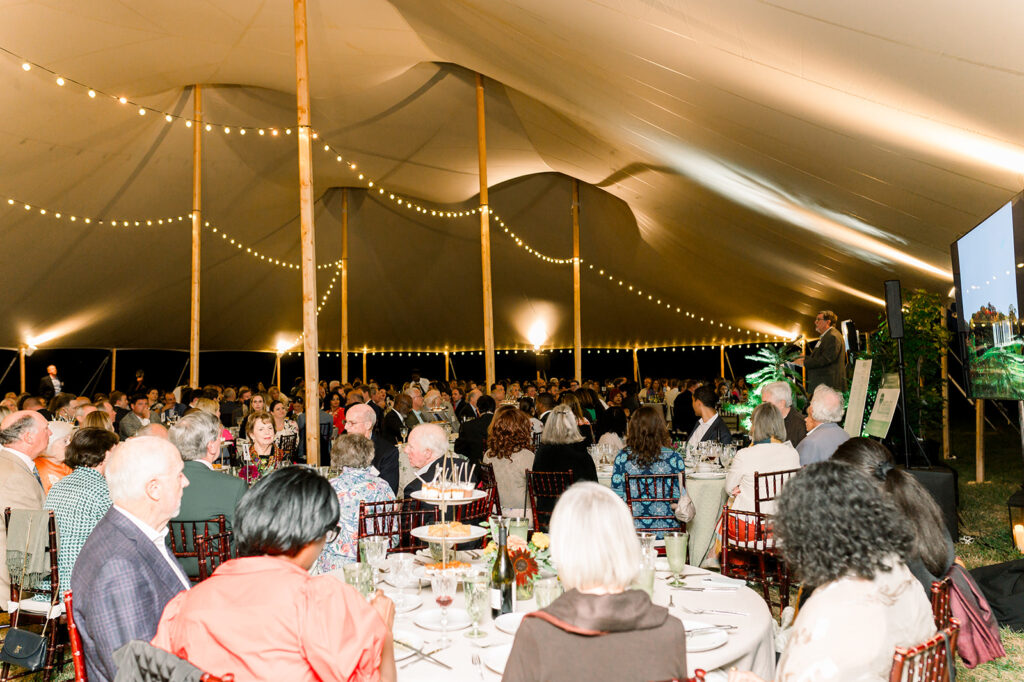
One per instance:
(476, 589)
(373, 550)
(442, 583)
(405, 434)
(675, 552)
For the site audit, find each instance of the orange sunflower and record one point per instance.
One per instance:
(524, 565)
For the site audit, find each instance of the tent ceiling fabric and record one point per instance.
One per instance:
(750, 162)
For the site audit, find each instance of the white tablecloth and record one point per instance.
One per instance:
(749, 647)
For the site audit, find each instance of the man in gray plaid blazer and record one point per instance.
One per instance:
(125, 574)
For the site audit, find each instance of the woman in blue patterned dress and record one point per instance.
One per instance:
(353, 454)
(646, 453)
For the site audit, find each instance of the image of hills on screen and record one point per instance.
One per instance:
(990, 308)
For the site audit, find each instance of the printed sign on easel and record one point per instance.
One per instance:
(885, 406)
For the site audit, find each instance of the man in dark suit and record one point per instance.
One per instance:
(780, 394)
(125, 574)
(468, 409)
(394, 422)
(209, 493)
(545, 403)
(459, 403)
(708, 427)
(472, 441)
(360, 419)
(426, 448)
(49, 385)
(827, 362)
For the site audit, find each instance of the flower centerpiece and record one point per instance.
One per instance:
(528, 558)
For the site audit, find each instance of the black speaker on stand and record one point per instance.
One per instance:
(894, 314)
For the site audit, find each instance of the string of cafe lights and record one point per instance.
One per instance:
(397, 198)
(526, 351)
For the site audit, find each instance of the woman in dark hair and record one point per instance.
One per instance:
(80, 499)
(708, 427)
(844, 539)
(335, 406)
(611, 426)
(262, 615)
(932, 551)
(646, 452)
(510, 452)
(585, 425)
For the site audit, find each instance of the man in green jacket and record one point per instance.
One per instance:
(209, 493)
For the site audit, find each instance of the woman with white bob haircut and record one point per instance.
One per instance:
(599, 629)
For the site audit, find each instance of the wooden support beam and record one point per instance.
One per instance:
(21, 366)
(364, 366)
(721, 361)
(577, 330)
(277, 371)
(485, 237)
(636, 365)
(113, 369)
(344, 285)
(803, 367)
(307, 236)
(979, 440)
(446, 364)
(197, 227)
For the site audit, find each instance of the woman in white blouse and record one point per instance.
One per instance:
(845, 539)
(769, 452)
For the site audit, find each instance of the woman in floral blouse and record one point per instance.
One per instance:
(646, 453)
(353, 454)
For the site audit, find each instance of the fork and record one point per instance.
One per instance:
(479, 667)
(698, 612)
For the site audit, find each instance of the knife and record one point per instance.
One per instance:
(421, 654)
(711, 628)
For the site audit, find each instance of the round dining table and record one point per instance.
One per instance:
(749, 646)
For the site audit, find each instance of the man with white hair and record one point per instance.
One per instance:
(360, 420)
(780, 394)
(24, 435)
(426, 448)
(415, 416)
(824, 434)
(152, 429)
(125, 573)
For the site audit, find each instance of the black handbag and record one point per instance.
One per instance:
(23, 648)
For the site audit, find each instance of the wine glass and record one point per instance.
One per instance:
(647, 539)
(546, 590)
(373, 550)
(442, 584)
(405, 433)
(360, 576)
(675, 552)
(476, 589)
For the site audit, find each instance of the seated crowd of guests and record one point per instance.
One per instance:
(860, 534)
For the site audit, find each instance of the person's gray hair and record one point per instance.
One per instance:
(432, 437)
(131, 465)
(193, 433)
(414, 391)
(560, 427)
(766, 423)
(351, 450)
(593, 539)
(778, 390)
(18, 430)
(364, 412)
(827, 404)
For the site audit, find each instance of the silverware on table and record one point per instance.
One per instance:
(420, 653)
(709, 588)
(721, 612)
(478, 665)
(710, 628)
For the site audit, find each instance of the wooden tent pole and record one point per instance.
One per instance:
(446, 366)
(721, 361)
(803, 367)
(113, 368)
(307, 237)
(21, 366)
(277, 370)
(485, 237)
(636, 365)
(344, 285)
(577, 331)
(197, 226)
(364, 365)
(979, 440)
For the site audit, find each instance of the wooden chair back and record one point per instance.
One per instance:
(931, 661)
(544, 488)
(183, 535)
(395, 520)
(940, 602)
(211, 552)
(477, 510)
(487, 481)
(77, 653)
(748, 552)
(768, 486)
(289, 447)
(658, 490)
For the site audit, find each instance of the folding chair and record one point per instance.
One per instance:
(768, 486)
(395, 520)
(183, 536)
(544, 488)
(77, 654)
(747, 536)
(649, 497)
(931, 661)
(211, 552)
(489, 482)
(940, 602)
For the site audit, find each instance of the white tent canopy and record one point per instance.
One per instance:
(745, 162)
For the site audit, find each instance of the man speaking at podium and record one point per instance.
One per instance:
(827, 362)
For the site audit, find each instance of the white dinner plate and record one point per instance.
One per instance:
(475, 532)
(408, 637)
(509, 622)
(430, 619)
(495, 657)
(703, 641)
(456, 501)
(404, 603)
(706, 475)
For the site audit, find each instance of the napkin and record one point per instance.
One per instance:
(717, 580)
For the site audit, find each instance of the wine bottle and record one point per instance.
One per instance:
(503, 593)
